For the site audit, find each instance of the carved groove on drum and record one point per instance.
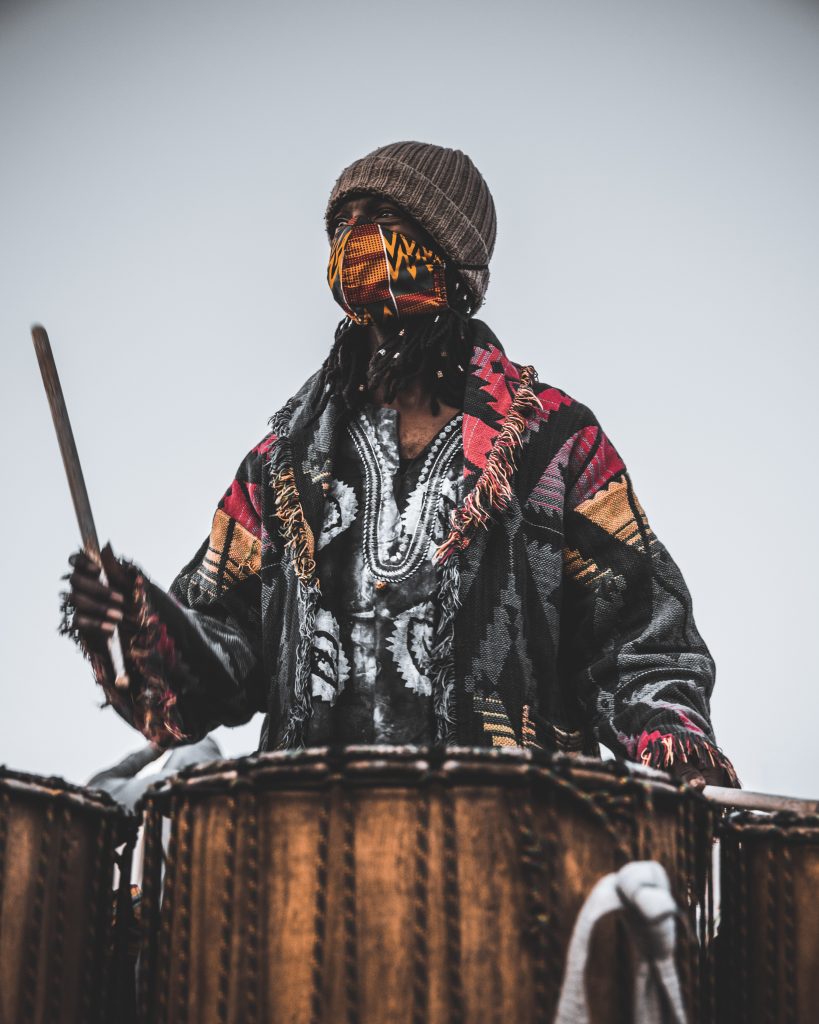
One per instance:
(320, 913)
(404, 886)
(58, 957)
(151, 883)
(420, 957)
(253, 977)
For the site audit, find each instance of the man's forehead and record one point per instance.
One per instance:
(366, 197)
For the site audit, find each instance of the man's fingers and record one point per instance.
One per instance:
(87, 585)
(87, 623)
(689, 773)
(716, 776)
(95, 608)
(98, 608)
(113, 570)
(80, 560)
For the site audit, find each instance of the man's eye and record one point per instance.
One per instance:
(388, 211)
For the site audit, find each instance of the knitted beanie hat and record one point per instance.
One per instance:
(441, 189)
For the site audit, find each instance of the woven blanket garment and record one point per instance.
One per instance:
(563, 619)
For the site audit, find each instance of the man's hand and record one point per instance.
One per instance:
(98, 607)
(699, 777)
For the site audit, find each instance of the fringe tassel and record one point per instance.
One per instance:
(661, 750)
(299, 540)
(153, 653)
(100, 663)
(442, 658)
(152, 658)
(298, 536)
(301, 710)
(493, 490)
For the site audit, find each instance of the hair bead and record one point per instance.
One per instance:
(435, 352)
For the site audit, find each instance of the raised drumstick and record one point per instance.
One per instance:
(73, 471)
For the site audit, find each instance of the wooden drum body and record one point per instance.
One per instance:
(394, 886)
(57, 848)
(769, 930)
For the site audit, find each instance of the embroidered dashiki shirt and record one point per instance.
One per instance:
(384, 518)
(563, 619)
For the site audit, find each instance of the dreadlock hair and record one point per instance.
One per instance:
(434, 348)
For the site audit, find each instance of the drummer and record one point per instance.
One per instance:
(430, 545)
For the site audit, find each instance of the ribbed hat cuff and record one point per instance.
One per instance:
(410, 189)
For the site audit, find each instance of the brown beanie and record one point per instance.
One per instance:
(440, 188)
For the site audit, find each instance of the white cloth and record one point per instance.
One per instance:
(127, 780)
(642, 892)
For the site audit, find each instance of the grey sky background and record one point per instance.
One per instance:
(163, 173)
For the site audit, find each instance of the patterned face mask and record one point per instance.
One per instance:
(377, 275)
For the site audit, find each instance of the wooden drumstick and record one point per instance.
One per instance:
(76, 481)
(745, 800)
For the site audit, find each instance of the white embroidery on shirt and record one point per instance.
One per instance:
(410, 645)
(330, 667)
(340, 510)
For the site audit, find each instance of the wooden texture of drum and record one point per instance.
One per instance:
(57, 845)
(769, 929)
(398, 887)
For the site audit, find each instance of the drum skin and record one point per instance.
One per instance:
(769, 932)
(56, 877)
(400, 886)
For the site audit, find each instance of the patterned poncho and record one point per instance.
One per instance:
(562, 619)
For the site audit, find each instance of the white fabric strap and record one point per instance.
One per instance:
(641, 890)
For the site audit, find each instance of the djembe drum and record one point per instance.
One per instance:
(399, 885)
(769, 929)
(57, 852)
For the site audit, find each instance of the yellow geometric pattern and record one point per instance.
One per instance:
(528, 733)
(586, 570)
(336, 259)
(402, 250)
(495, 721)
(242, 559)
(611, 510)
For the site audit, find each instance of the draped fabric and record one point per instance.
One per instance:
(563, 621)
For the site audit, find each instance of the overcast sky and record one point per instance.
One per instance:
(163, 173)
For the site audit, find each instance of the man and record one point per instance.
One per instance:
(430, 545)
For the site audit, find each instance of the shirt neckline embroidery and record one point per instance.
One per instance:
(379, 468)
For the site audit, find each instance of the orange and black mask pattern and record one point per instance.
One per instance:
(377, 275)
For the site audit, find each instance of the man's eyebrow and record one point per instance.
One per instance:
(344, 207)
(372, 200)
